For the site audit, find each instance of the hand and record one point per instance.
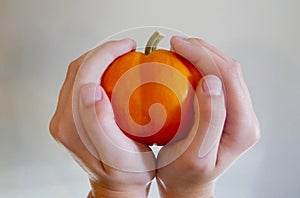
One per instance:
(83, 123)
(226, 127)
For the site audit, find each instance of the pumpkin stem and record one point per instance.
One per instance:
(153, 42)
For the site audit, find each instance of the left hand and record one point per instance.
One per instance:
(84, 124)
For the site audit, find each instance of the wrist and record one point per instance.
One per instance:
(100, 190)
(192, 191)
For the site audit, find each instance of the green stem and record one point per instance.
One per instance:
(153, 42)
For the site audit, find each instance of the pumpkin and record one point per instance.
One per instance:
(152, 94)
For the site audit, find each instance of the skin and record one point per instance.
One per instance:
(213, 149)
(226, 128)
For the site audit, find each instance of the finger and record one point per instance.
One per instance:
(211, 103)
(212, 113)
(90, 69)
(242, 123)
(113, 148)
(99, 58)
(205, 61)
(212, 48)
(209, 60)
(93, 66)
(201, 145)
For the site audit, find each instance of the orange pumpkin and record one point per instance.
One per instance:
(135, 82)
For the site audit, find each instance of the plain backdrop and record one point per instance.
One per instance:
(38, 39)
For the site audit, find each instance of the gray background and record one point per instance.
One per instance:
(39, 38)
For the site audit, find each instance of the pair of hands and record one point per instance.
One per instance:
(225, 127)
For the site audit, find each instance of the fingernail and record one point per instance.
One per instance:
(212, 85)
(90, 94)
(182, 39)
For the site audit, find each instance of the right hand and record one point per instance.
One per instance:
(227, 125)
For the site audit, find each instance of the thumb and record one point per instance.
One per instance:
(203, 139)
(112, 147)
(211, 121)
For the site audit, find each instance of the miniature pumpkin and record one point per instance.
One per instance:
(156, 77)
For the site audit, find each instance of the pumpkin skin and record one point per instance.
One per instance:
(178, 106)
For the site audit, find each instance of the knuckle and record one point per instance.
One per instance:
(53, 126)
(203, 166)
(248, 133)
(254, 134)
(72, 67)
(234, 67)
(197, 40)
(235, 64)
(56, 130)
(74, 64)
(197, 165)
(108, 44)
